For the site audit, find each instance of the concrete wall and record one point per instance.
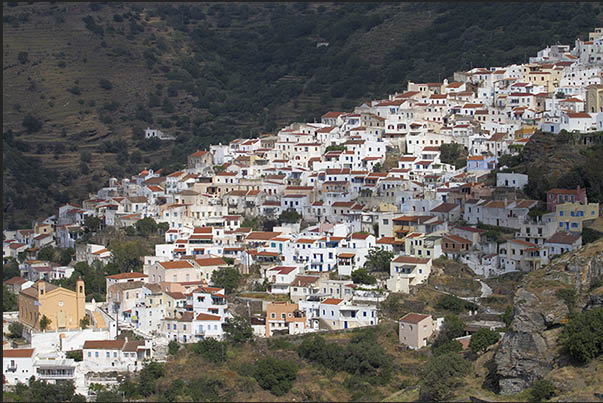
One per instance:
(46, 342)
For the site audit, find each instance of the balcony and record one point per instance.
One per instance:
(56, 373)
(12, 369)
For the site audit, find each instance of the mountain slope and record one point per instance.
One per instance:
(92, 73)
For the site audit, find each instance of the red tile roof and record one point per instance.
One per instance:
(413, 318)
(176, 264)
(103, 344)
(332, 301)
(18, 353)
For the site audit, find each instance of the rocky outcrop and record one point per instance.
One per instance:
(528, 350)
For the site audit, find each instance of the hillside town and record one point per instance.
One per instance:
(340, 193)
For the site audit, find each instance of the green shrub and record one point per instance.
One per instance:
(452, 328)
(75, 90)
(238, 329)
(542, 390)
(275, 375)
(582, 337)
(441, 375)
(228, 278)
(23, 57)
(76, 355)
(16, 330)
(452, 346)
(361, 276)
(568, 295)
(454, 304)
(483, 338)
(31, 123)
(211, 350)
(173, 347)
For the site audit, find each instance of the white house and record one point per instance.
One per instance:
(18, 365)
(512, 180)
(406, 271)
(336, 313)
(116, 355)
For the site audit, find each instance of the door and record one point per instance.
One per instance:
(345, 324)
(61, 319)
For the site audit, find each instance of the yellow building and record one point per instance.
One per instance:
(64, 308)
(524, 132)
(545, 75)
(571, 216)
(594, 98)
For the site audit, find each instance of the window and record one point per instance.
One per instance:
(96, 354)
(89, 354)
(115, 354)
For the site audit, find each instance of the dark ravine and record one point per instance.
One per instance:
(529, 349)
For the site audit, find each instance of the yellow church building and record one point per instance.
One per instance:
(64, 308)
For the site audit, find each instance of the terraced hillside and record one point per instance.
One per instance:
(82, 80)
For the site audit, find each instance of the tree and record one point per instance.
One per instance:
(23, 57)
(211, 349)
(16, 330)
(228, 278)
(105, 84)
(147, 383)
(10, 269)
(92, 223)
(9, 300)
(126, 255)
(173, 347)
(145, 227)
(452, 346)
(541, 390)
(275, 375)
(163, 227)
(44, 322)
(289, 216)
(361, 276)
(453, 153)
(136, 157)
(454, 304)
(452, 328)
(84, 322)
(41, 391)
(167, 106)
(378, 260)
(86, 156)
(128, 388)
(378, 167)
(46, 254)
(238, 329)
(441, 375)
(76, 355)
(482, 339)
(582, 337)
(507, 316)
(31, 123)
(66, 256)
(111, 395)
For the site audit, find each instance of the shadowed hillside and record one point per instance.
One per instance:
(83, 80)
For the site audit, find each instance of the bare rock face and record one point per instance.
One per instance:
(528, 350)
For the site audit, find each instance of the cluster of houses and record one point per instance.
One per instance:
(362, 181)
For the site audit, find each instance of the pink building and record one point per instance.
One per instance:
(558, 196)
